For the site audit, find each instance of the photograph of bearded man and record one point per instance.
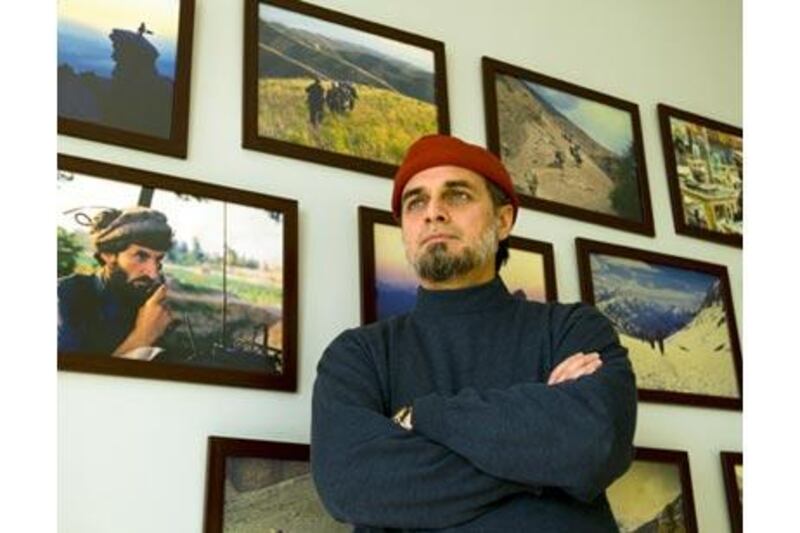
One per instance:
(120, 309)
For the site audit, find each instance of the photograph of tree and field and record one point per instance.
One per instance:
(117, 63)
(674, 322)
(224, 272)
(649, 498)
(338, 89)
(569, 150)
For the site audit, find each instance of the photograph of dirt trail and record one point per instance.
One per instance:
(673, 321)
(341, 90)
(219, 272)
(569, 150)
(649, 498)
(121, 78)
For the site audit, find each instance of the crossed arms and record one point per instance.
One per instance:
(470, 450)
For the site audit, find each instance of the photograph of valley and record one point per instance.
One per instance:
(339, 89)
(673, 321)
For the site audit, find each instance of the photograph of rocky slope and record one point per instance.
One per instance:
(566, 149)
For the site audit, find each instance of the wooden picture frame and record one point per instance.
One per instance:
(675, 316)
(138, 107)
(229, 273)
(251, 472)
(371, 310)
(557, 162)
(704, 187)
(651, 481)
(321, 124)
(733, 487)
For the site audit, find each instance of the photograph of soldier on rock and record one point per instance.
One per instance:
(161, 276)
(118, 69)
(339, 89)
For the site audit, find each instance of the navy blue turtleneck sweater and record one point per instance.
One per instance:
(493, 447)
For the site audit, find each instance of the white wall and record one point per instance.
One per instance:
(131, 452)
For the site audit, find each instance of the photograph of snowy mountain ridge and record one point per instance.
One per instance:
(674, 321)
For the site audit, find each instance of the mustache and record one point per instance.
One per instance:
(146, 280)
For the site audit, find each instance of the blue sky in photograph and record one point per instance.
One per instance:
(418, 57)
(607, 125)
(84, 27)
(666, 285)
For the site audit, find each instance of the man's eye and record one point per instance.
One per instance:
(459, 196)
(414, 204)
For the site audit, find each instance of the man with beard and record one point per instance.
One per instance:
(476, 411)
(119, 309)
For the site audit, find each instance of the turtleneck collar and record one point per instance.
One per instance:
(460, 301)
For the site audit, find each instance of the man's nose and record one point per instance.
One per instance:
(437, 211)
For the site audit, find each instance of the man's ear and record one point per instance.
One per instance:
(108, 258)
(505, 217)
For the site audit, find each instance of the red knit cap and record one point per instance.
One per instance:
(437, 150)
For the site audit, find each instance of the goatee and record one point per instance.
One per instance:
(438, 265)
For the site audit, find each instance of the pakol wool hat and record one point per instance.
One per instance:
(134, 224)
(437, 150)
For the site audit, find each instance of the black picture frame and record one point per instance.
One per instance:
(129, 130)
(724, 195)
(679, 514)
(270, 361)
(257, 469)
(724, 322)
(369, 218)
(734, 487)
(253, 139)
(601, 163)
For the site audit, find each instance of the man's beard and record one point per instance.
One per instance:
(437, 264)
(134, 292)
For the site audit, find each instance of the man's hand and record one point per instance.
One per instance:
(403, 418)
(575, 366)
(154, 317)
(152, 321)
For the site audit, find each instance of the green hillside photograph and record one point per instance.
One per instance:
(335, 90)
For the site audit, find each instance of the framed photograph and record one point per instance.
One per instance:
(338, 90)
(162, 277)
(124, 71)
(704, 161)
(256, 486)
(389, 284)
(570, 150)
(655, 494)
(732, 473)
(674, 315)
